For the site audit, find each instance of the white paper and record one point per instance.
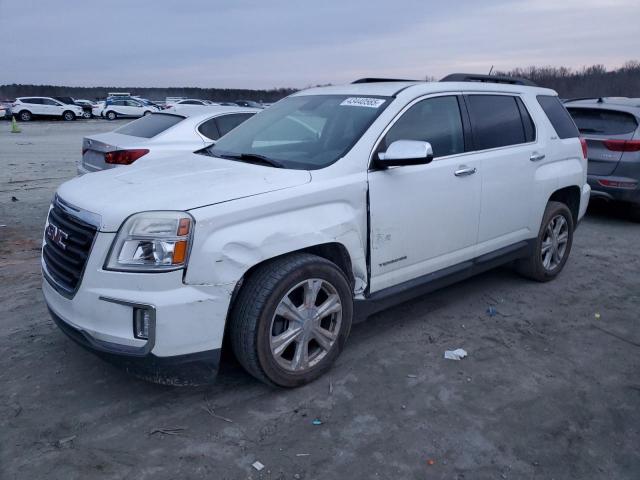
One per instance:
(457, 354)
(363, 102)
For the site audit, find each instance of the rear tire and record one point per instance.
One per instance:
(552, 246)
(25, 116)
(111, 115)
(291, 319)
(68, 115)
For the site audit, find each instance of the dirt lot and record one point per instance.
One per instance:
(550, 389)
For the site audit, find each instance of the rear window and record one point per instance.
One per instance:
(226, 123)
(603, 122)
(495, 121)
(558, 116)
(150, 125)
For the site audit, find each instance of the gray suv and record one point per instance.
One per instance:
(610, 126)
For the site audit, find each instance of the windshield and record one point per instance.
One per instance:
(304, 132)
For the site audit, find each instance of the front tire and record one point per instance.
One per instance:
(111, 115)
(87, 115)
(68, 116)
(552, 246)
(25, 116)
(291, 319)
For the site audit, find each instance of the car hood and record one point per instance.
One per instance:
(174, 183)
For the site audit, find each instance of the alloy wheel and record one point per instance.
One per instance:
(554, 243)
(306, 325)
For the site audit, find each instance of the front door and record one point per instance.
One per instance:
(424, 217)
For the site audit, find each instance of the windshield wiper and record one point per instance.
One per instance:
(590, 130)
(252, 158)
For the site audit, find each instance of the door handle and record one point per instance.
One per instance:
(536, 157)
(464, 171)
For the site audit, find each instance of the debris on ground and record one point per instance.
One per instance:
(317, 421)
(457, 354)
(14, 199)
(491, 311)
(207, 408)
(597, 316)
(65, 440)
(167, 431)
(330, 387)
(302, 454)
(411, 375)
(431, 462)
(257, 465)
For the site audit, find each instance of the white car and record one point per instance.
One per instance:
(329, 205)
(116, 107)
(27, 108)
(157, 135)
(191, 101)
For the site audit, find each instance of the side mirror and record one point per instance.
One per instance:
(405, 152)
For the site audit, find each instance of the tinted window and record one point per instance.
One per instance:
(603, 122)
(495, 121)
(527, 122)
(226, 123)
(118, 103)
(48, 101)
(558, 116)
(435, 120)
(33, 101)
(210, 129)
(150, 125)
(131, 103)
(190, 102)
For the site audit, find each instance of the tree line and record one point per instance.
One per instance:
(591, 81)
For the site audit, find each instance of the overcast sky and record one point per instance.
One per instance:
(277, 43)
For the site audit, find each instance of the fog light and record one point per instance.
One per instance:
(141, 321)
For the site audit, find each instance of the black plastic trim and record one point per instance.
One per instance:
(403, 292)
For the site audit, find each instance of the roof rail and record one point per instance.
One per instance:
(474, 77)
(378, 80)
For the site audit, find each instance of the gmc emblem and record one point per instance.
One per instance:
(57, 235)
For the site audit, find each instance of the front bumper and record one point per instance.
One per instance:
(189, 319)
(628, 195)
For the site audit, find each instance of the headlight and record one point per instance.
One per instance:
(152, 241)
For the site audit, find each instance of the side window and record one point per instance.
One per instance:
(226, 123)
(209, 129)
(434, 120)
(131, 103)
(527, 122)
(495, 121)
(48, 101)
(118, 103)
(30, 101)
(558, 116)
(190, 102)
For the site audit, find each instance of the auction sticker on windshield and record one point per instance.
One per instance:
(363, 102)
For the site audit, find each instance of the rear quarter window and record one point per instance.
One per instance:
(560, 119)
(496, 121)
(150, 125)
(600, 121)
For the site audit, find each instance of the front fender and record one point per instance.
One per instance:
(230, 238)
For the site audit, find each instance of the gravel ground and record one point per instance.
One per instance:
(550, 388)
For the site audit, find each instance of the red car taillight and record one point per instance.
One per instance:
(623, 145)
(124, 157)
(583, 142)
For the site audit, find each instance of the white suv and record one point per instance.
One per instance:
(27, 108)
(329, 205)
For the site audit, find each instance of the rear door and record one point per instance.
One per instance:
(605, 130)
(34, 105)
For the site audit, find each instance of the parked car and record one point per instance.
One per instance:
(159, 134)
(611, 128)
(191, 101)
(248, 103)
(87, 107)
(329, 205)
(117, 107)
(5, 109)
(27, 108)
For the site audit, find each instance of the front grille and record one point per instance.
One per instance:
(66, 249)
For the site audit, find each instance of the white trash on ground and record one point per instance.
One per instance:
(457, 354)
(257, 465)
